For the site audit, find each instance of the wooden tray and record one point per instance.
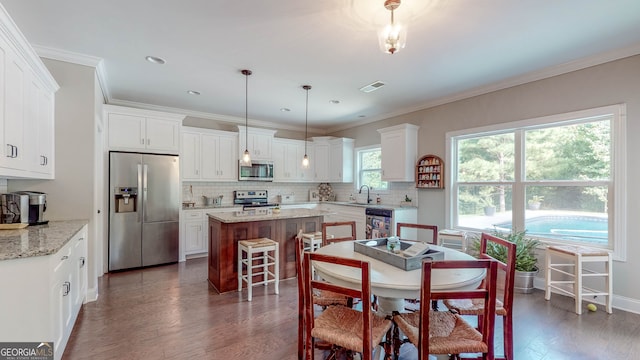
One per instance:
(379, 251)
(13, 226)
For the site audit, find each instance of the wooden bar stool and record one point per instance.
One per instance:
(312, 241)
(573, 273)
(267, 251)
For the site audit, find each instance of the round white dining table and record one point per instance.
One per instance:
(391, 284)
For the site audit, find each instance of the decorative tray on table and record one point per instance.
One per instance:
(377, 249)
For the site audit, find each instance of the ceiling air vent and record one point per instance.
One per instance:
(371, 87)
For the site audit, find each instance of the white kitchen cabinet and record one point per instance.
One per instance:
(333, 159)
(194, 230)
(47, 308)
(341, 160)
(399, 148)
(26, 108)
(345, 213)
(260, 142)
(287, 161)
(208, 155)
(143, 130)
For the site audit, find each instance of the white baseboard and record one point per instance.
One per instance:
(619, 302)
(92, 295)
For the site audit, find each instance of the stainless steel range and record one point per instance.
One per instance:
(251, 199)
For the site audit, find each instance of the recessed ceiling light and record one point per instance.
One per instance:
(361, 116)
(193, 92)
(334, 101)
(155, 60)
(285, 109)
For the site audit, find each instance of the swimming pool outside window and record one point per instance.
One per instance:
(555, 177)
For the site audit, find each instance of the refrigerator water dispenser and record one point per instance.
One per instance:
(126, 199)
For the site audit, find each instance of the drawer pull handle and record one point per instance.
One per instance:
(82, 261)
(67, 288)
(64, 257)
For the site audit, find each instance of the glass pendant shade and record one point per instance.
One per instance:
(392, 38)
(246, 158)
(305, 161)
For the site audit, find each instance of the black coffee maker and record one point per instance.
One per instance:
(37, 206)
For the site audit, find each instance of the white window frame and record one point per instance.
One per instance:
(617, 199)
(358, 170)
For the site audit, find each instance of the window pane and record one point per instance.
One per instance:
(572, 213)
(480, 207)
(572, 152)
(370, 169)
(487, 158)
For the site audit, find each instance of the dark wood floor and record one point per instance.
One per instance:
(170, 312)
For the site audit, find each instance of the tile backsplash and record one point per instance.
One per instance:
(393, 196)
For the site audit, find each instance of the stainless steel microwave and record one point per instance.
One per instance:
(260, 170)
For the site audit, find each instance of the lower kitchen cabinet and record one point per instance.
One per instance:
(194, 232)
(42, 295)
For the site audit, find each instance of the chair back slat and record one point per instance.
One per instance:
(364, 293)
(509, 268)
(433, 228)
(486, 293)
(326, 225)
(300, 280)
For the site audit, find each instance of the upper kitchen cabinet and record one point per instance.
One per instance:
(143, 130)
(287, 161)
(207, 155)
(333, 159)
(399, 148)
(26, 107)
(260, 142)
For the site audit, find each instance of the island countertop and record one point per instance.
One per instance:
(264, 214)
(38, 240)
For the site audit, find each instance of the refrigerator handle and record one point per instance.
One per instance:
(140, 195)
(145, 169)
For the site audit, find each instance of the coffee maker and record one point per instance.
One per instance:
(14, 208)
(37, 206)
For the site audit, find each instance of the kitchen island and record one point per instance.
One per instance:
(227, 228)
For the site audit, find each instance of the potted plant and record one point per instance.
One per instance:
(526, 260)
(488, 205)
(535, 202)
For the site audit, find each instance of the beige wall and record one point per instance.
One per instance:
(70, 195)
(606, 84)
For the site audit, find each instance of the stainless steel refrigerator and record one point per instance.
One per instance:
(144, 205)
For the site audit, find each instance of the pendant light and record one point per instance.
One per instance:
(393, 37)
(246, 158)
(305, 159)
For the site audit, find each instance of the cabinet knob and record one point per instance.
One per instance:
(82, 262)
(64, 257)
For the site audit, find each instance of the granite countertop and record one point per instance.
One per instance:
(240, 216)
(38, 240)
(346, 203)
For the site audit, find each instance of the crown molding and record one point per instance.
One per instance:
(545, 73)
(216, 117)
(10, 32)
(79, 59)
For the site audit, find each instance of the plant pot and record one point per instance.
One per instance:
(489, 210)
(523, 281)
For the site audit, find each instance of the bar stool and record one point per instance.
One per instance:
(312, 241)
(574, 273)
(267, 251)
(455, 239)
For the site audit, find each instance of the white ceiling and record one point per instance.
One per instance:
(455, 49)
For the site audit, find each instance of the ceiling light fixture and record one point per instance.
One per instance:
(393, 37)
(305, 159)
(246, 158)
(193, 92)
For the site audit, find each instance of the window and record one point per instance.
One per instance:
(369, 168)
(560, 178)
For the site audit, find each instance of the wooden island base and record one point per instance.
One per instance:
(226, 230)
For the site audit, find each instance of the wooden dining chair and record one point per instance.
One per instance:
(444, 332)
(432, 228)
(349, 329)
(411, 304)
(326, 239)
(321, 298)
(504, 304)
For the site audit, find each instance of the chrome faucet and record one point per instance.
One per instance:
(360, 192)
